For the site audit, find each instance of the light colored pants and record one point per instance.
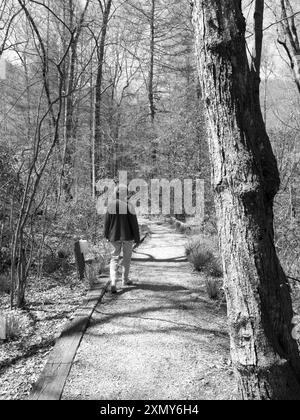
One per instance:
(115, 258)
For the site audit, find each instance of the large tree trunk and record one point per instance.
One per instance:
(245, 177)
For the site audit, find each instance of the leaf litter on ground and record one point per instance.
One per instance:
(51, 303)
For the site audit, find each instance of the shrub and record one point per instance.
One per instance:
(184, 228)
(51, 264)
(80, 219)
(214, 267)
(5, 283)
(4, 259)
(180, 226)
(212, 288)
(17, 323)
(74, 220)
(200, 257)
(177, 224)
(13, 327)
(203, 253)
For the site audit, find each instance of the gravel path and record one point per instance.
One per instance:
(160, 339)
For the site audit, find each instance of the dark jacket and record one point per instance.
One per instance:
(121, 227)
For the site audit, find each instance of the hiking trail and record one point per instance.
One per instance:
(161, 338)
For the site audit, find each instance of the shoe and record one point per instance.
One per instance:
(113, 290)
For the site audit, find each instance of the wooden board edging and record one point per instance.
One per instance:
(52, 380)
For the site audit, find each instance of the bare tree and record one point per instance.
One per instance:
(70, 128)
(151, 66)
(8, 14)
(246, 179)
(105, 7)
(49, 109)
(289, 37)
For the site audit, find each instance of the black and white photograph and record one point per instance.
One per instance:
(149, 203)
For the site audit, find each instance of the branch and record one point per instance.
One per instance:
(294, 279)
(53, 13)
(286, 26)
(283, 44)
(44, 53)
(281, 20)
(2, 47)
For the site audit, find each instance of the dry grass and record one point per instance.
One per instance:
(14, 326)
(203, 254)
(213, 288)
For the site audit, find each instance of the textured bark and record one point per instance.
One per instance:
(246, 180)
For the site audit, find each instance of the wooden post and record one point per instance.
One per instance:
(81, 250)
(80, 262)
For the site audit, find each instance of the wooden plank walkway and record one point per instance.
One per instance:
(53, 378)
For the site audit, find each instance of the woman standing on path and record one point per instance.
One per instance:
(122, 230)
